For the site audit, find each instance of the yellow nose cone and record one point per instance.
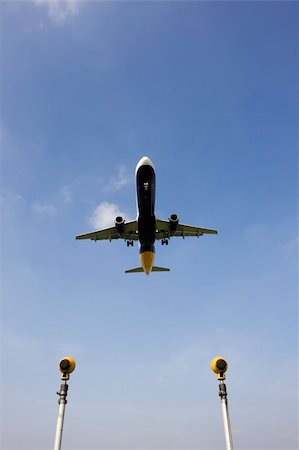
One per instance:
(147, 261)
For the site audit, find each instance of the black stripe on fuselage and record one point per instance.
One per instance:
(146, 189)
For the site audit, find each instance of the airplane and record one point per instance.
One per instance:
(146, 228)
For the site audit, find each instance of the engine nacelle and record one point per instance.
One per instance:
(173, 222)
(120, 224)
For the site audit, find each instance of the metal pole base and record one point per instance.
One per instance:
(59, 427)
(225, 414)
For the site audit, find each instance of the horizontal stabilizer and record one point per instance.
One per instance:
(154, 269)
(160, 269)
(137, 269)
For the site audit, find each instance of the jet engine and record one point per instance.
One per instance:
(173, 222)
(120, 224)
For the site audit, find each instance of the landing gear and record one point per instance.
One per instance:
(130, 243)
(164, 241)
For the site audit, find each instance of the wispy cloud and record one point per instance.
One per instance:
(122, 178)
(105, 214)
(188, 357)
(67, 194)
(60, 11)
(44, 209)
(10, 199)
(163, 380)
(11, 203)
(290, 248)
(20, 346)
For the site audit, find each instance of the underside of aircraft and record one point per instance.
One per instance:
(146, 228)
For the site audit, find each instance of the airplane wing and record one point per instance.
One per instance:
(130, 233)
(163, 230)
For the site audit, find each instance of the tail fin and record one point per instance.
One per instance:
(154, 269)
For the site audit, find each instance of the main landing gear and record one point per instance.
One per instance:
(164, 241)
(130, 243)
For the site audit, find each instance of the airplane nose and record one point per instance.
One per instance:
(144, 161)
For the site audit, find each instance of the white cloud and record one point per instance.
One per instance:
(67, 194)
(105, 214)
(164, 380)
(188, 357)
(20, 346)
(59, 11)
(291, 247)
(11, 203)
(44, 209)
(122, 178)
(10, 199)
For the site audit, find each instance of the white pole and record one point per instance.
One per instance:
(59, 427)
(225, 414)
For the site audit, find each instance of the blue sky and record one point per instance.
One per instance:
(207, 90)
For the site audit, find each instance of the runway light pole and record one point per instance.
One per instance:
(219, 366)
(66, 366)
